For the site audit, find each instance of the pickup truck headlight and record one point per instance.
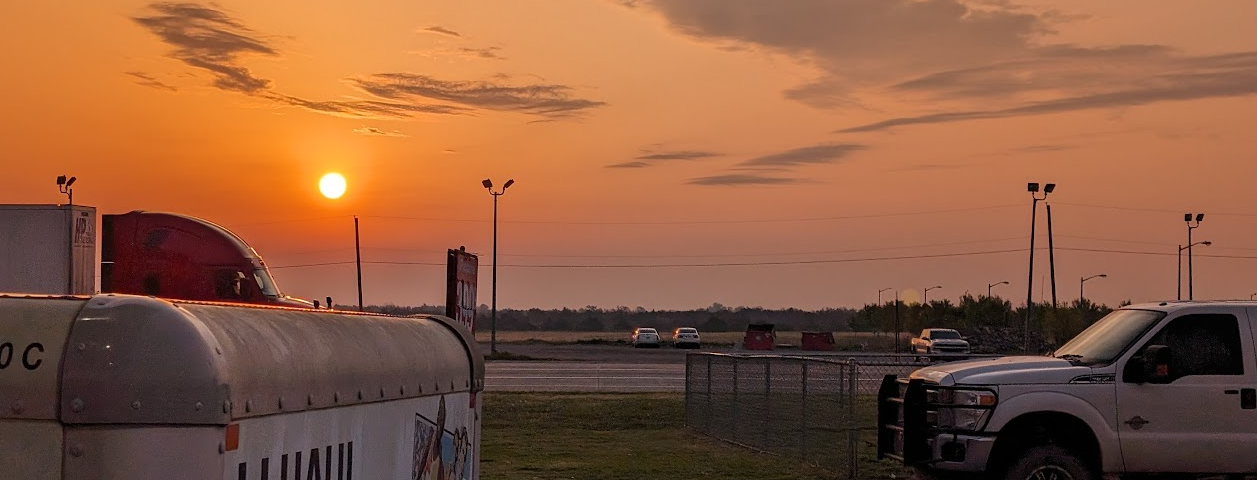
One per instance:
(965, 418)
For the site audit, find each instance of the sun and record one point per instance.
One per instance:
(332, 185)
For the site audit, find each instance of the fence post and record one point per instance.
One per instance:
(853, 435)
(709, 405)
(736, 420)
(766, 420)
(689, 407)
(803, 414)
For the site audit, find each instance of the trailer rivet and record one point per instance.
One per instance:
(76, 450)
(336, 397)
(18, 407)
(248, 406)
(82, 346)
(281, 403)
(227, 406)
(381, 392)
(310, 400)
(135, 405)
(359, 394)
(76, 405)
(402, 390)
(198, 406)
(221, 448)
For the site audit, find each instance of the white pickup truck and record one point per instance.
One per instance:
(1168, 388)
(940, 340)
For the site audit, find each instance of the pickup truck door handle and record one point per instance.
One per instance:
(1137, 422)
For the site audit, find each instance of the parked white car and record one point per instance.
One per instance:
(685, 337)
(645, 337)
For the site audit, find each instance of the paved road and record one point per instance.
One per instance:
(579, 376)
(610, 368)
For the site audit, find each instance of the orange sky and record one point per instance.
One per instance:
(659, 132)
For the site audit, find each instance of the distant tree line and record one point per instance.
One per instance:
(716, 318)
(1057, 324)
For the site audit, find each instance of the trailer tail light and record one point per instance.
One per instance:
(233, 437)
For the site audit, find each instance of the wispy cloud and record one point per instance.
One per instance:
(550, 100)
(737, 179)
(488, 53)
(630, 165)
(148, 81)
(443, 31)
(960, 59)
(651, 157)
(1043, 148)
(365, 130)
(208, 39)
(828, 153)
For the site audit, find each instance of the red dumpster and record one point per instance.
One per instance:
(818, 341)
(759, 336)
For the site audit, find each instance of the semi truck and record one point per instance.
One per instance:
(51, 249)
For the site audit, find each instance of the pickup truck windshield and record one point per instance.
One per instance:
(944, 335)
(1104, 341)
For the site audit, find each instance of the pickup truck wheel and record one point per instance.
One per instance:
(1049, 462)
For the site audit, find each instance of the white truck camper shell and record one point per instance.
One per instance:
(116, 387)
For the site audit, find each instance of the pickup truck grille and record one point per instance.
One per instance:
(907, 418)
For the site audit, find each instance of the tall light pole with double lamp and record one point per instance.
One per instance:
(493, 322)
(1180, 265)
(989, 285)
(1188, 218)
(879, 308)
(1033, 188)
(1084, 281)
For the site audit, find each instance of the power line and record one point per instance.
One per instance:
(783, 262)
(1154, 210)
(703, 222)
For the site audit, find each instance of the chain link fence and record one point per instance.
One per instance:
(819, 408)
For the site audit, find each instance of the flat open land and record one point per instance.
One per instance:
(623, 437)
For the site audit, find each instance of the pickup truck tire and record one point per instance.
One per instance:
(1049, 462)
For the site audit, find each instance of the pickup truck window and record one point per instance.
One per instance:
(943, 335)
(1202, 345)
(1103, 342)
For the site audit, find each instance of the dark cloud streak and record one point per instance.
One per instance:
(443, 31)
(537, 99)
(807, 155)
(148, 81)
(208, 39)
(738, 179)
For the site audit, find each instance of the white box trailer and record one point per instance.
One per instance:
(116, 387)
(48, 249)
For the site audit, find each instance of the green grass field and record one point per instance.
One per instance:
(624, 436)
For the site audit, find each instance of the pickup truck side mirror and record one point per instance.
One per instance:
(1153, 366)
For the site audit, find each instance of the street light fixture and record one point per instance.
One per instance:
(989, 285)
(1189, 262)
(925, 296)
(65, 185)
(1084, 281)
(493, 322)
(879, 295)
(1033, 188)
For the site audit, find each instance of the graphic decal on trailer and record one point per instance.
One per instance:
(440, 453)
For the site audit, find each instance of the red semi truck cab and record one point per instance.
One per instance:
(178, 256)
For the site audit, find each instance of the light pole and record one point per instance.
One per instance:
(358, 256)
(1033, 188)
(1084, 281)
(1188, 218)
(879, 295)
(925, 296)
(1180, 266)
(1252, 296)
(897, 327)
(493, 322)
(989, 285)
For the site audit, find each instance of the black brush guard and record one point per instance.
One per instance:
(907, 419)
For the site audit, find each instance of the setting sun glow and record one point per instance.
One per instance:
(332, 185)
